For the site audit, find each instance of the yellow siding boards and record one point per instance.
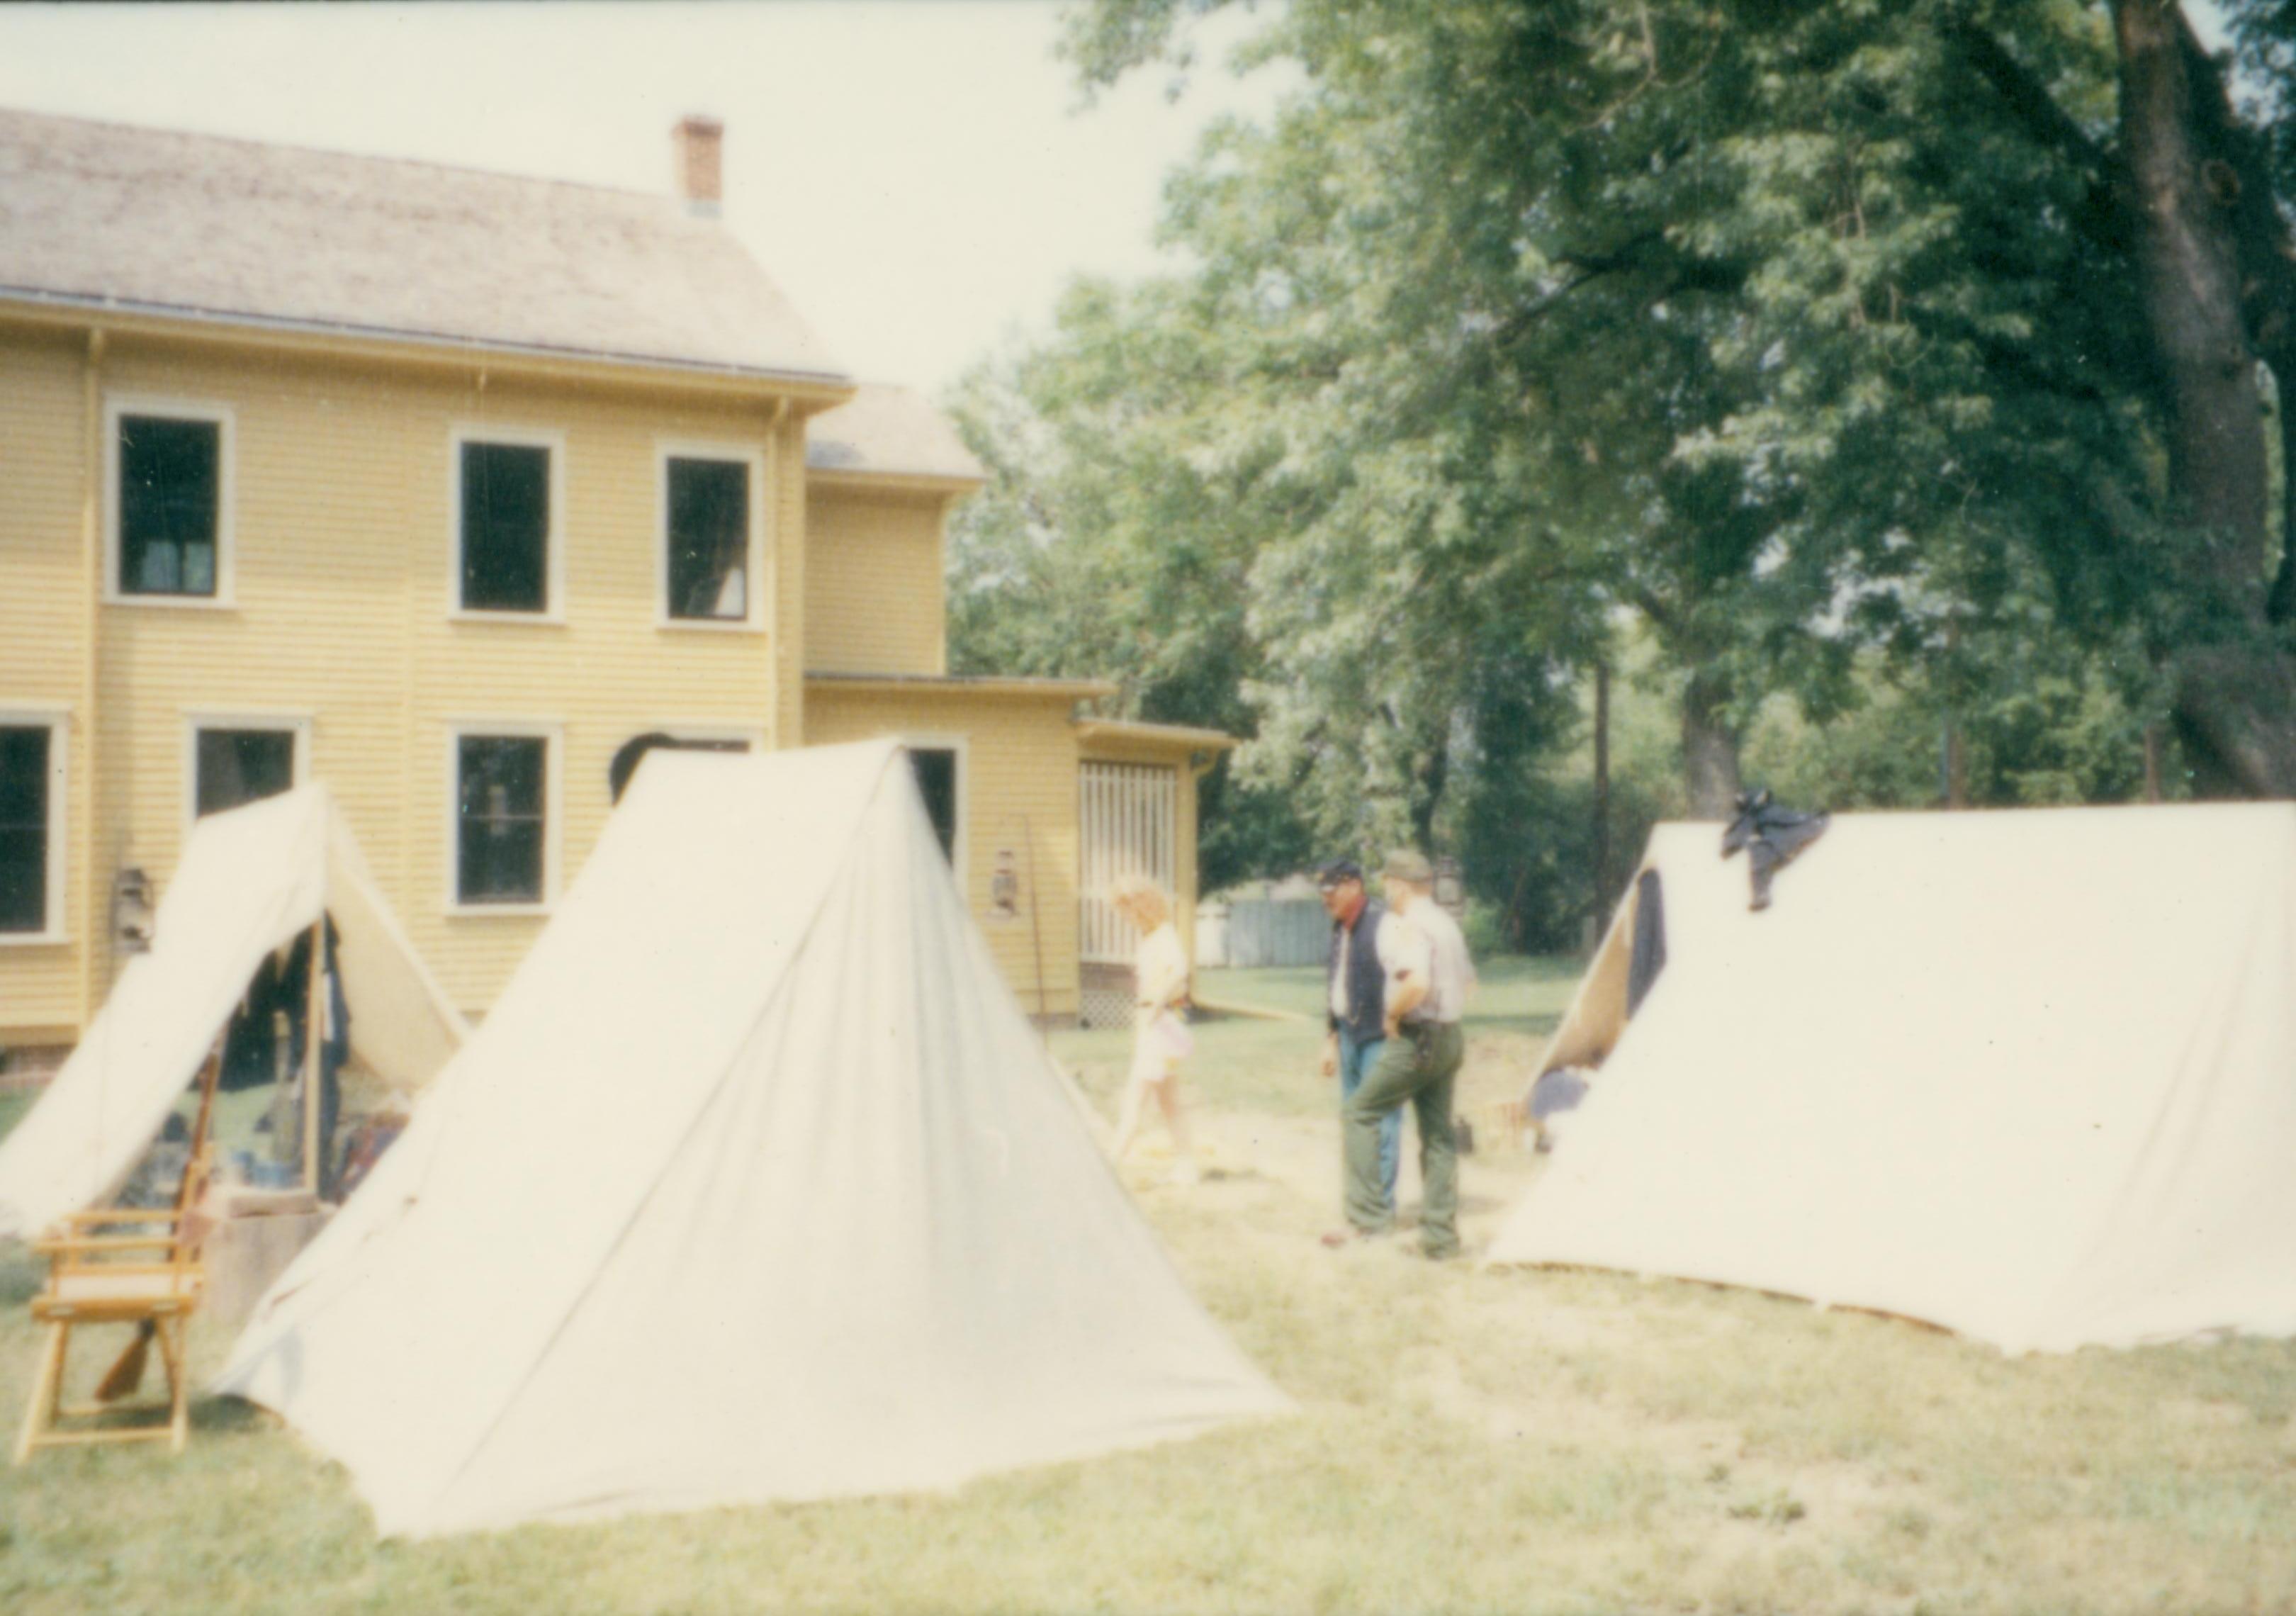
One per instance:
(1018, 795)
(43, 634)
(790, 547)
(343, 541)
(874, 598)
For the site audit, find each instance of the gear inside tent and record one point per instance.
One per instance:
(254, 884)
(755, 1184)
(2029, 1075)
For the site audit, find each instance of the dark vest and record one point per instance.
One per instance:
(1357, 953)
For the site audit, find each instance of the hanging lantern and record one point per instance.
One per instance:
(133, 911)
(1004, 885)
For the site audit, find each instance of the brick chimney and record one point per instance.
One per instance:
(696, 151)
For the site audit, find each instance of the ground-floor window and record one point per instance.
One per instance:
(232, 766)
(32, 834)
(939, 771)
(502, 789)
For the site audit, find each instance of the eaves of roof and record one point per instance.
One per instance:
(965, 684)
(817, 390)
(1177, 737)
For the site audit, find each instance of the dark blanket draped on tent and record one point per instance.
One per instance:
(1772, 836)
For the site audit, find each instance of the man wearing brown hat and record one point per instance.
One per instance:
(1429, 981)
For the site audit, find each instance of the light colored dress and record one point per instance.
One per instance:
(1161, 1039)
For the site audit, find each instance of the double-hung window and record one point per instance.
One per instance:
(507, 523)
(712, 547)
(240, 760)
(939, 773)
(170, 511)
(31, 827)
(502, 818)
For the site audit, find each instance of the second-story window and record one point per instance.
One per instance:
(505, 527)
(169, 505)
(707, 516)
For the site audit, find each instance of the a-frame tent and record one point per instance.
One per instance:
(251, 880)
(2029, 1075)
(755, 1184)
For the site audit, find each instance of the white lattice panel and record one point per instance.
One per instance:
(1126, 814)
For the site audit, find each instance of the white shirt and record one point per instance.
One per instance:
(1160, 969)
(1425, 945)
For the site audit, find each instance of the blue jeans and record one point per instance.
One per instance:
(1356, 1061)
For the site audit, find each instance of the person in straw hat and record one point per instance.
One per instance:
(1161, 1039)
(1429, 977)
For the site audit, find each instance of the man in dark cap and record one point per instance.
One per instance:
(1429, 976)
(1354, 994)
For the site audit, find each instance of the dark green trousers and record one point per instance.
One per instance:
(1422, 1065)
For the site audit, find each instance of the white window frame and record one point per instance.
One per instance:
(295, 722)
(225, 419)
(665, 450)
(554, 533)
(552, 733)
(960, 856)
(57, 721)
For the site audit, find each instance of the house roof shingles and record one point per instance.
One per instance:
(106, 215)
(891, 432)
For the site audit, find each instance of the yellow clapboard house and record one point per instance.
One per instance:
(457, 491)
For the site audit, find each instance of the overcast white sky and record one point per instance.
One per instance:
(918, 176)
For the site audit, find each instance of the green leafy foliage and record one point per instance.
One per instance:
(1795, 345)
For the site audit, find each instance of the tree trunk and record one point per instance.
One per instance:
(2235, 692)
(1601, 787)
(1433, 775)
(1709, 751)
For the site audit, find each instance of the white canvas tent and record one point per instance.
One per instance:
(755, 1184)
(2028, 1075)
(250, 882)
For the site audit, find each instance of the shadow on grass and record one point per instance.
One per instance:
(1529, 1026)
(21, 1275)
(230, 1417)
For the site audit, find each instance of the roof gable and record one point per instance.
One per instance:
(109, 215)
(889, 431)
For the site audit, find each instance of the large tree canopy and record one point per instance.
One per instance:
(1832, 342)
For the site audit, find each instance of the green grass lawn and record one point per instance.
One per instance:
(1517, 994)
(1466, 1440)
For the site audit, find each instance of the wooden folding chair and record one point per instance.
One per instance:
(123, 1265)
